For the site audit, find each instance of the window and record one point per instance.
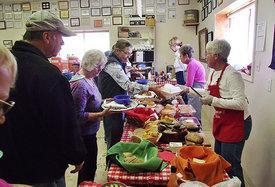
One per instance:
(82, 42)
(241, 37)
(236, 24)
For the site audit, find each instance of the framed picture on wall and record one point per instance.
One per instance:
(183, 2)
(98, 23)
(74, 3)
(63, 5)
(117, 20)
(46, 5)
(210, 36)
(2, 25)
(116, 2)
(64, 14)
(75, 22)
(128, 3)
(26, 6)
(84, 3)
(17, 15)
(95, 11)
(209, 7)
(214, 4)
(202, 43)
(106, 11)
(8, 43)
(203, 14)
(117, 10)
(17, 7)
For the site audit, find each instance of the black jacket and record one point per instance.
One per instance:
(41, 135)
(108, 87)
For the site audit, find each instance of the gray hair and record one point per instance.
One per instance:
(8, 61)
(121, 44)
(93, 58)
(186, 49)
(220, 47)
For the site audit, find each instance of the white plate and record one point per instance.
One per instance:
(132, 105)
(145, 96)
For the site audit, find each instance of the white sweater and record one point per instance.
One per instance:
(231, 90)
(178, 65)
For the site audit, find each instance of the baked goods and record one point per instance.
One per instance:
(190, 125)
(148, 103)
(193, 138)
(169, 110)
(130, 158)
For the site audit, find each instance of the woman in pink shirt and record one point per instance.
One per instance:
(195, 75)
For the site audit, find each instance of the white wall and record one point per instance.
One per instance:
(259, 151)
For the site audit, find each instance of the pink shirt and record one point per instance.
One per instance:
(195, 73)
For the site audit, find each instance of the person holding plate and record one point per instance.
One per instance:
(232, 122)
(88, 101)
(113, 81)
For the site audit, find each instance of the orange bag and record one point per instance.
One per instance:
(210, 172)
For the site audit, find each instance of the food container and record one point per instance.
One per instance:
(192, 124)
(186, 110)
(142, 81)
(122, 99)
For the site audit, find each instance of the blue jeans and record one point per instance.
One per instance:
(56, 183)
(232, 152)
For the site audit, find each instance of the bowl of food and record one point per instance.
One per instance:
(142, 81)
(122, 99)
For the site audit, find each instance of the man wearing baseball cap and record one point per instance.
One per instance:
(41, 136)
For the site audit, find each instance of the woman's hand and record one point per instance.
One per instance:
(105, 112)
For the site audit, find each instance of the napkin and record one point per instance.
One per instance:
(144, 150)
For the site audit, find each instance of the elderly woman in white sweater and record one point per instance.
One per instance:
(232, 122)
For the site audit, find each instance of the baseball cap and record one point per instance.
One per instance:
(44, 20)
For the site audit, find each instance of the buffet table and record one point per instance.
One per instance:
(117, 173)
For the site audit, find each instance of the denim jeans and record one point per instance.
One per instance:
(56, 183)
(232, 152)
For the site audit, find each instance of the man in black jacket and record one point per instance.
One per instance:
(41, 136)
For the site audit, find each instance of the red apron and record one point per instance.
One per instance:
(228, 125)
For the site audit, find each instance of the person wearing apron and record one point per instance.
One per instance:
(195, 76)
(232, 122)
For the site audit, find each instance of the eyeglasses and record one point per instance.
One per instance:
(5, 106)
(128, 54)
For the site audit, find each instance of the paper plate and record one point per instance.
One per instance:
(106, 102)
(145, 96)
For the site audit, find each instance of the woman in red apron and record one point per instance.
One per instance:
(231, 123)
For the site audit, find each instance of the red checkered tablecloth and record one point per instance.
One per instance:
(117, 173)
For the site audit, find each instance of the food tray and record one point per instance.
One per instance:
(186, 110)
